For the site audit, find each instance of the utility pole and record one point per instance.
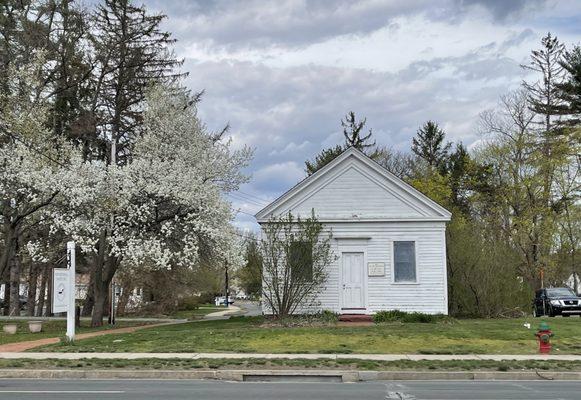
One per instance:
(226, 281)
(112, 222)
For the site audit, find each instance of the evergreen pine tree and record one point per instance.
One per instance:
(429, 145)
(352, 130)
(322, 159)
(569, 91)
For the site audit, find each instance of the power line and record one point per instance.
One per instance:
(254, 202)
(255, 196)
(246, 197)
(244, 212)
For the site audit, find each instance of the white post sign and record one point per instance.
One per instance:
(60, 290)
(71, 264)
(63, 290)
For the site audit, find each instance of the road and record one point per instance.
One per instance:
(26, 389)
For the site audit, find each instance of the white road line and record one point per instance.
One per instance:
(64, 391)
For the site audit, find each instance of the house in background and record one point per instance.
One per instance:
(388, 238)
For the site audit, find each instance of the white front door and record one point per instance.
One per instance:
(352, 282)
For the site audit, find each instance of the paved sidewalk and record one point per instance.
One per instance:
(374, 357)
(227, 312)
(31, 344)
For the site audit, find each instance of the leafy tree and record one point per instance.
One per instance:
(483, 272)
(430, 146)
(467, 178)
(322, 159)
(519, 166)
(403, 165)
(250, 275)
(295, 255)
(352, 131)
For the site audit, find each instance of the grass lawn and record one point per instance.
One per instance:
(246, 335)
(53, 329)
(344, 364)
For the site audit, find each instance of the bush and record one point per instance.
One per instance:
(189, 303)
(388, 316)
(402, 316)
(329, 317)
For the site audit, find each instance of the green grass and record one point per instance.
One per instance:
(246, 335)
(53, 329)
(345, 364)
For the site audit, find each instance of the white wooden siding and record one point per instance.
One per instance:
(428, 295)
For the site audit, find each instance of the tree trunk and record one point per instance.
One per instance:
(8, 250)
(103, 278)
(32, 285)
(6, 297)
(100, 297)
(49, 284)
(15, 285)
(89, 298)
(42, 291)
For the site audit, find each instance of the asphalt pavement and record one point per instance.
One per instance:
(26, 389)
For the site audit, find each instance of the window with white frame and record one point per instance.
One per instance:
(404, 261)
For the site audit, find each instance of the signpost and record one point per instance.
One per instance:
(63, 290)
(71, 265)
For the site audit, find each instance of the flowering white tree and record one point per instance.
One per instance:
(36, 172)
(156, 210)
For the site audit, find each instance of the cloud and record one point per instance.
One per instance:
(284, 73)
(279, 176)
(501, 10)
(227, 25)
(287, 23)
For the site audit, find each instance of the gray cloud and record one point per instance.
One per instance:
(256, 23)
(289, 112)
(502, 10)
(248, 24)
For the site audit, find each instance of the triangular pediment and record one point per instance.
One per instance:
(354, 187)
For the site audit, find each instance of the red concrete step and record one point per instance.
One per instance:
(355, 318)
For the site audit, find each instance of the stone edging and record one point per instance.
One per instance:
(242, 375)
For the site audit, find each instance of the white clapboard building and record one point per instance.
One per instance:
(388, 238)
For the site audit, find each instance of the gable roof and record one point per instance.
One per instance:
(432, 210)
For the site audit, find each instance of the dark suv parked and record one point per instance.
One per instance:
(556, 301)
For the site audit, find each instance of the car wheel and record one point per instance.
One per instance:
(566, 315)
(536, 313)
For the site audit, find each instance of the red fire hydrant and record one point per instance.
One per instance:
(544, 335)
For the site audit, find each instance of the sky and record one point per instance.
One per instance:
(284, 73)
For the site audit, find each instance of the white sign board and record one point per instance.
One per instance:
(60, 290)
(375, 269)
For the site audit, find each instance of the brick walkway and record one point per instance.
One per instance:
(31, 344)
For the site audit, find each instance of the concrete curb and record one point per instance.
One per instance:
(286, 375)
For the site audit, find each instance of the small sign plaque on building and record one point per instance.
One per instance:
(375, 269)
